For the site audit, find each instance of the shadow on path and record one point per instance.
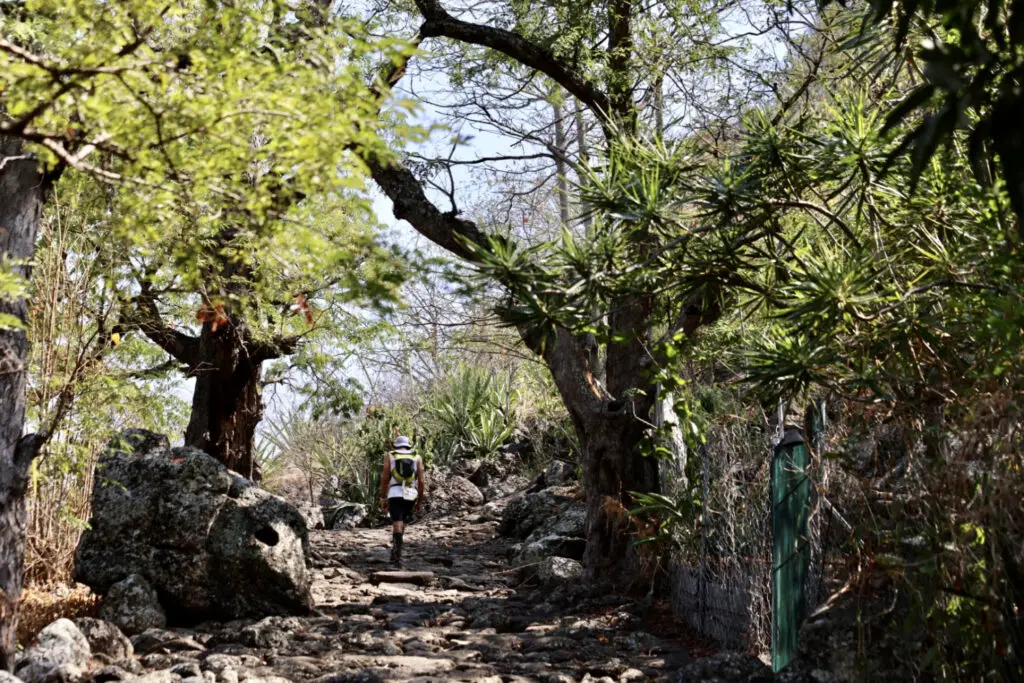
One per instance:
(472, 620)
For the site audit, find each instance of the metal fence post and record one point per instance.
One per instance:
(790, 548)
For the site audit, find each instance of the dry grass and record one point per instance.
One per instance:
(42, 605)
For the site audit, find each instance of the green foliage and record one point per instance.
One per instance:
(970, 55)
(669, 515)
(471, 414)
(210, 120)
(81, 385)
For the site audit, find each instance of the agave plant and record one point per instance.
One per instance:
(473, 414)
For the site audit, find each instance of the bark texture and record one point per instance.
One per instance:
(226, 402)
(227, 364)
(22, 193)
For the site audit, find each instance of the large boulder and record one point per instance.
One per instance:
(533, 552)
(561, 535)
(559, 473)
(211, 543)
(60, 653)
(447, 493)
(526, 512)
(553, 572)
(503, 488)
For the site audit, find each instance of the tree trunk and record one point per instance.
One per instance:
(612, 468)
(561, 182)
(22, 193)
(226, 401)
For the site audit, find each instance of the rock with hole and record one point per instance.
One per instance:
(211, 543)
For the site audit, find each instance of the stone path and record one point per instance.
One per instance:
(469, 622)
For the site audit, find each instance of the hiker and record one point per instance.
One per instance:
(401, 487)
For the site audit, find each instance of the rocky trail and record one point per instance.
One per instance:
(454, 612)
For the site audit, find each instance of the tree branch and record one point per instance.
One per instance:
(184, 348)
(275, 348)
(439, 23)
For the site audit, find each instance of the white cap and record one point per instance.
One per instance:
(403, 442)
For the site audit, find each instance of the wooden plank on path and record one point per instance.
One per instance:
(416, 578)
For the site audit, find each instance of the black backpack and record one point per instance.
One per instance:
(404, 470)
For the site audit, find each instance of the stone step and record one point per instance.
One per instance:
(417, 578)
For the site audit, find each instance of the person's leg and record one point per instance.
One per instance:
(396, 510)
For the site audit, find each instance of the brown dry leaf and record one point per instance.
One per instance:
(43, 605)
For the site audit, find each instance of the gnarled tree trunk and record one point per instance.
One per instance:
(226, 401)
(613, 468)
(22, 193)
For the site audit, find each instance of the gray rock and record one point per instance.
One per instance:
(157, 677)
(526, 512)
(726, 667)
(218, 663)
(562, 534)
(550, 546)
(491, 512)
(346, 515)
(472, 469)
(211, 543)
(265, 634)
(132, 605)
(354, 677)
(187, 670)
(568, 520)
(559, 678)
(559, 473)
(61, 653)
(158, 641)
(448, 493)
(498, 489)
(6, 677)
(312, 513)
(109, 673)
(105, 638)
(557, 571)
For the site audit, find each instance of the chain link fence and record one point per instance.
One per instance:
(721, 573)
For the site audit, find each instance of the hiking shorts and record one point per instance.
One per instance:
(400, 509)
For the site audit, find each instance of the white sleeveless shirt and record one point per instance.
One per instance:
(395, 486)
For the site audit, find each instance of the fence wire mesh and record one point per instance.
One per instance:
(721, 572)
